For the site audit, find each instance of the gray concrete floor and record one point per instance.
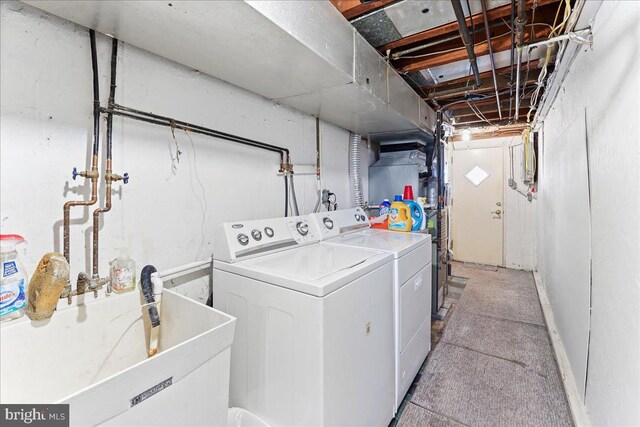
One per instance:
(492, 363)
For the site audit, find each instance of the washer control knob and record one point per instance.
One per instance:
(357, 217)
(302, 227)
(256, 234)
(327, 222)
(243, 239)
(268, 231)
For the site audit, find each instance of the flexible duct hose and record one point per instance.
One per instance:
(354, 169)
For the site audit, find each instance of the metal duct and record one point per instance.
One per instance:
(355, 139)
(336, 75)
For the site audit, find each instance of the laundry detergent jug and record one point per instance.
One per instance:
(399, 215)
(417, 214)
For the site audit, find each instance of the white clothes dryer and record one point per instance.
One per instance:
(411, 279)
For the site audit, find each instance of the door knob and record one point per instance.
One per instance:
(497, 212)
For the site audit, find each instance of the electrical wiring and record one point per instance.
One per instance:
(555, 30)
(477, 112)
(567, 12)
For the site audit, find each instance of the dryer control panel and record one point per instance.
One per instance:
(235, 241)
(335, 223)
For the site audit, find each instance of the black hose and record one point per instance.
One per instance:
(96, 93)
(112, 95)
(147, 293)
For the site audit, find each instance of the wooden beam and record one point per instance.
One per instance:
(492, 134)
(351, 9)
(499, 44)
(462, 115)
(493, 118)
(490, 102)
(504, 72)
(487, 88)
(492, 14)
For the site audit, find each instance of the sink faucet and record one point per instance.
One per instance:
(84, 284)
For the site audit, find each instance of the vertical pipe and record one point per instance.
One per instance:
(520, 24)
(464, 34)
(93, 173)
(493, 63)
(517, 111)
(108, 177)
(513, 34)
(318, 177)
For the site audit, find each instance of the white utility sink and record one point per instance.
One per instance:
(94, 357)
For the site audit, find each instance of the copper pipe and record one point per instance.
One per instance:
(108, 177)
(93, 174)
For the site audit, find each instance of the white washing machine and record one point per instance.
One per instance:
(314, 331)
(412, 284)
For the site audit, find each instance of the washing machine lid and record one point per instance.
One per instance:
(400, 243)
(316, 269)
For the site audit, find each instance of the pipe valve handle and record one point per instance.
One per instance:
(125, 178)
(74, 174)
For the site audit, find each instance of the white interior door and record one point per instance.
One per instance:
(477, 205)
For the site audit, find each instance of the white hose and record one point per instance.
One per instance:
(354, 169)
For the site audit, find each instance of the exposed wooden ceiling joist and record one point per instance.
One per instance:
(489, 102)
(468, 112)
(351, 9)
(503, 72)
(514, 131)
(494, 118)
(499, 44)
(452, 27)
(459, 95)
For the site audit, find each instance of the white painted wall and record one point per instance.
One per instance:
(589, 205)
(167, 213)
(519, 224)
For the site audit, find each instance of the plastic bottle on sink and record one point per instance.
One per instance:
(122, 273)
(13, 282)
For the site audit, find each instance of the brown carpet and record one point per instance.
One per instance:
(494, 365)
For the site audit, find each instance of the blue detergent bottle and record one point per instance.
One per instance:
(417, 214)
